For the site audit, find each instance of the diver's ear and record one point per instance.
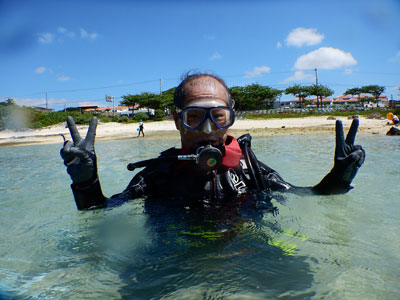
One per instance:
(176, 119)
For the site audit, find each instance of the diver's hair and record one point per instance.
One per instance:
(181, 91)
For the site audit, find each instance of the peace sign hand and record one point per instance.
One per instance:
(348, 157)
(79, 156)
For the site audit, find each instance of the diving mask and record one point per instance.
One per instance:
(193, 117)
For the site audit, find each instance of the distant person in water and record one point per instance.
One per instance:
(141, 127)
(212, 167)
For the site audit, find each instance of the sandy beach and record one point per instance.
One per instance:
(166, 129)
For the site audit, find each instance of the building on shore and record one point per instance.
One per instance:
(343, 101)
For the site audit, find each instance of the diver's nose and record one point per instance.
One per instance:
(206, 128)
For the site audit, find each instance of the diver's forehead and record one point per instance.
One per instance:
(205, 89)
(206, 102)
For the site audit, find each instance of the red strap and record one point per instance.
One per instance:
(233, 153)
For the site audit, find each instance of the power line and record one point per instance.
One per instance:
(223, 76)
(94, 88)
(77, 101)
(104, 87)
(372, 73)
(174, 79)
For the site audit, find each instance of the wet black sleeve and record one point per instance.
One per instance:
(329, 185)
(90, 196)
(135, 189)
(275, 182)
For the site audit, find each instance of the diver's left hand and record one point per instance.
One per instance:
(348, 157)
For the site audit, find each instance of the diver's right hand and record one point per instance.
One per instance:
(79, 156)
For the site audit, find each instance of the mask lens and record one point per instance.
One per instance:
(221, 116)
(193, 117)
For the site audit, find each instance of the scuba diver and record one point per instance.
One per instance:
(211, 167)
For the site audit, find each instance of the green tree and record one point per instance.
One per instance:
(326, 92)
(374, 90)
(320, 91)
(264, 95)
(145, 99)
(6, 109)
(150, 100)
(167, 98)
(8, 102)
(131, 100)
(355, 92)
(254, 96)
(238, 95)
(299, 91)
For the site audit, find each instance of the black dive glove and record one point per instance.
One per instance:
(348, 159)
(80, 158)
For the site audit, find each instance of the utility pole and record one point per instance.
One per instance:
(46, 101)
(161, 96)
(316, 83)
(113, 105)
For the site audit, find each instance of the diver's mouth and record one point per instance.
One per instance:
(205, 143)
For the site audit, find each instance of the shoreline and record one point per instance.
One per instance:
(166, 129)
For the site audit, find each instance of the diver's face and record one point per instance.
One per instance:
(203, 92)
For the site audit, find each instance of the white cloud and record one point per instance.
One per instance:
(257, 71)
(40, 70)
(215, 56)
(304, 36)
(63, 78)
(327, 58)
(62, 33)
(46, 37)
(65, 32)
(278, 45)
(300, 76)
(87, 35)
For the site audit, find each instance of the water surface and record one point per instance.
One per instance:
(316, 247)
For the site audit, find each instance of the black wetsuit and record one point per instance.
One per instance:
(184, 183)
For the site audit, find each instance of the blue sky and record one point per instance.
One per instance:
(78, 51)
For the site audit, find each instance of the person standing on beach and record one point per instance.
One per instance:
(140, 129)
(212, 167)
(395, 120)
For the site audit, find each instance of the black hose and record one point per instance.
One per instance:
(250, 166)
(257, 170)
(145, 163)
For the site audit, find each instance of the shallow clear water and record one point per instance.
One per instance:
(328, 247)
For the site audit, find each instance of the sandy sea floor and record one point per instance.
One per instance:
(166, 129)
